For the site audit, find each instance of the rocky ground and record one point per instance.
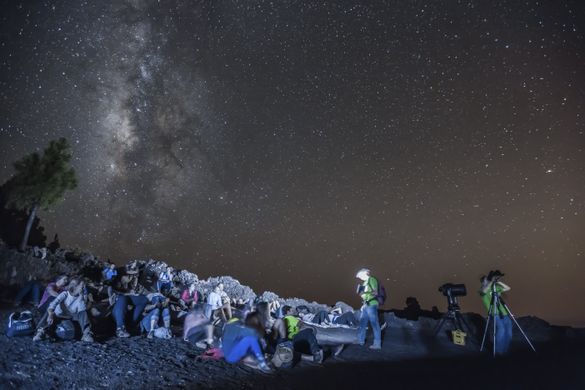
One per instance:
(411, 357)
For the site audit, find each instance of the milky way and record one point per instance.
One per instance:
(291, 143)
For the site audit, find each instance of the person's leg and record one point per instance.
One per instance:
(139, 302)
(166, 315)
(36, 293)
(246, 345)
(306, 342)
(23, 293)
(345, 319)
(500, 335)
(363, 326)
(320, 317)
(119, 310)
(508, 333)
(228, 309)
(373, 317)
(221, 314)
(83, 320)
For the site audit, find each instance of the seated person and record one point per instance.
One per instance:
(165, 280)
(70, 304)
(291, 328)
(216, 305)
(109, 273)
(51, 292)
(197, 329)
(190, 297)
(126, 291)
(242, 343)
(157, 304)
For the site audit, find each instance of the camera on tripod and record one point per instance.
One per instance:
(452, 291)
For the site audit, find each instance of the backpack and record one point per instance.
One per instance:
(65, 330)
(380, 294)
(284, 354)
(20, 324)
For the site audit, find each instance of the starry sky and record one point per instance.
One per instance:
(290, 143)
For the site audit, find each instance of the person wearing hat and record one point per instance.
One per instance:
(489, 284)
(368, 291)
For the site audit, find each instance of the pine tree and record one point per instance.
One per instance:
(41, 181)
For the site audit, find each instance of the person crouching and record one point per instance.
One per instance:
(70, 304)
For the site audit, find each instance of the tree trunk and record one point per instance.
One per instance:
(29, 223)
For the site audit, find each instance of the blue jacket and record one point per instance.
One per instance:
(234, 332)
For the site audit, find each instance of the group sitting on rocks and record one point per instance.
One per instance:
(140, 302)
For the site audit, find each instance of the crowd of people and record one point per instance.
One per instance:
(130, 302)
(247, 332)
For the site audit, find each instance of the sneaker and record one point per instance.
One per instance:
(265, 368)
(87, 337)
(375, 346)
(337, 350)
(150, 334)
(39, 335)
(121, 333)
(318, 357)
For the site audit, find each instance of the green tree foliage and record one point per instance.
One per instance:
(41, 181)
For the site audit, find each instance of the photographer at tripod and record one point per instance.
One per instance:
(491, 285)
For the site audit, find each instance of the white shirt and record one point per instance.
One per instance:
(214, 300)
(65, 304)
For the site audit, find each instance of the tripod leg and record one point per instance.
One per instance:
(487, 325)
(439, 325)
(518, 325)
(494, 315)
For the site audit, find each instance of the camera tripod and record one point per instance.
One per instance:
(454, 315)
(495, 303)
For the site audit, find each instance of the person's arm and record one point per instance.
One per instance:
(504, 286)
(486, 288)
(53, 305)
(51, 290)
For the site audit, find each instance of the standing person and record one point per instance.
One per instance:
(368, 291)
(489, 284)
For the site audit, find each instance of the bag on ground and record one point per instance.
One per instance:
(20, 324)
(284, 354)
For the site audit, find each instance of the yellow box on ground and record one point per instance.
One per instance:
(458, 337)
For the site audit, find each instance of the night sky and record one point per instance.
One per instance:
(290, 143)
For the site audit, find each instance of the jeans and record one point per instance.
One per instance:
(503, 334)
(306, 342)
(346, 319)
(154, 316)
(243, 347)
(369, 314)
(121, 308)
(33, 288)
